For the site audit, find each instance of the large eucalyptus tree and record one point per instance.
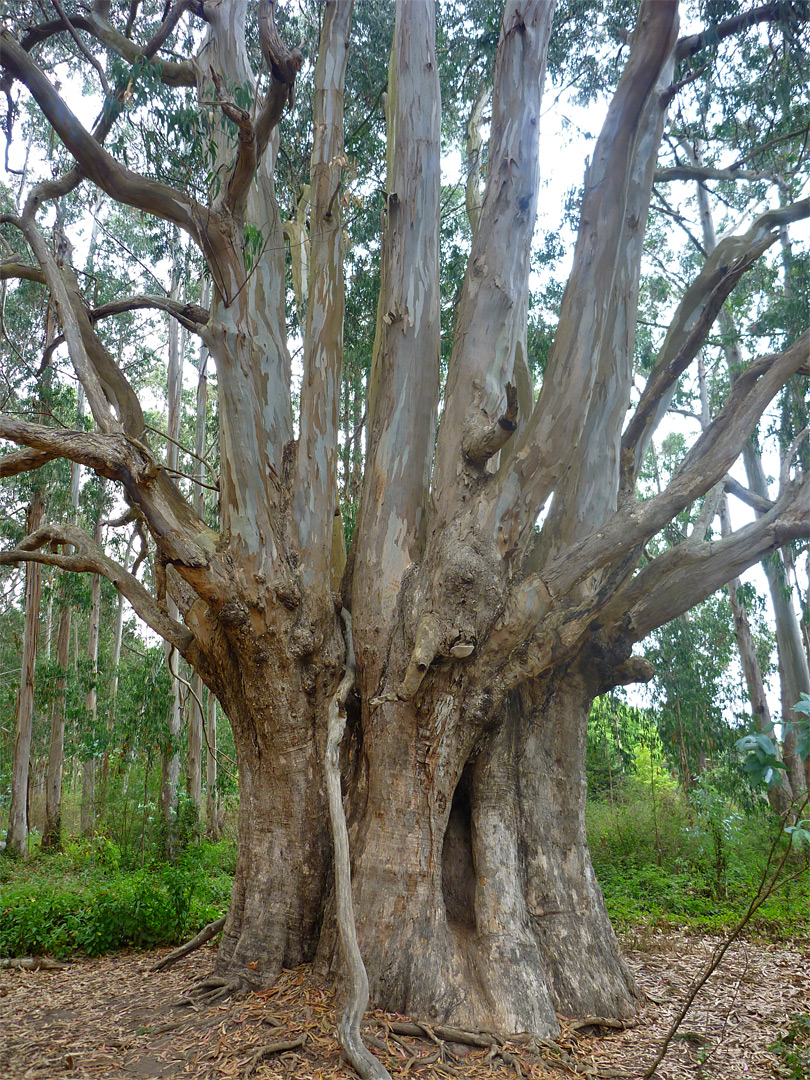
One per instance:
(480, 638)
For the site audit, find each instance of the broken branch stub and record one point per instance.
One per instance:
(479, 445)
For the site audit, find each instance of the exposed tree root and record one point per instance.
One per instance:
(600, 1021)
(273, 1048)
(204, 935)
(210, 990)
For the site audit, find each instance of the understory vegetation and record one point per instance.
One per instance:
(88, 900)
(682, 846)
(668, 855)
(691, 862)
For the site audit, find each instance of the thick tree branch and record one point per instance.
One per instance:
(403, 390)
(587, 492)
(705, 172)
(712, 35)
(316, 495)
(680, 577)
(235, 193)
(543, 632)
(100, 403)
(283, 65)
(96, 164)
(89, 558)
(587, 315)
(171, 72)
(534, 605)
(489, 346)
(13, 267)
(744, 494)
(183, 538)
(693, 319)
(24, 461)
(190, 316)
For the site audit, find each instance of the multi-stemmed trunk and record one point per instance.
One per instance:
(480, 639)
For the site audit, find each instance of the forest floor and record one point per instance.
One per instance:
(110, 1019)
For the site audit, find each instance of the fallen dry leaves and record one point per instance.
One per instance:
(109, 1019)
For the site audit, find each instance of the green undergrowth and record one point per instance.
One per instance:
(83, 901)
(693, 863)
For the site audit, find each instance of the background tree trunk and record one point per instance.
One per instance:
(88, 811)
(17, 840)
(212, 827)
(52, 833)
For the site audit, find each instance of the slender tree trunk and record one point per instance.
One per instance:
(17, 840)
(170, 762)
(792, 658)
(211, 798)
(88, 813)
(780, 796)
(52, 834)
(196, 718)
(170, 766)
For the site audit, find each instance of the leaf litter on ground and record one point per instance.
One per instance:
(110, 1019)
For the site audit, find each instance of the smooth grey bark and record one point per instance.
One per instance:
(51, 836)
(198, 724)
(88, 805)
(52, 832)
(211, 798)
(170, 760)
(780, 796)
(17, 837)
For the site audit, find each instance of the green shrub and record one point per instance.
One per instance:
(793, 1049)
(690, 862)
(80, 901)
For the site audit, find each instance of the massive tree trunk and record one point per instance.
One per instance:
(283, 861)
(481, 639)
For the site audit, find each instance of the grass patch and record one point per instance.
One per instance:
(82, 901)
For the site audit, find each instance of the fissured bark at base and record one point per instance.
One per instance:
(284, 857)
(475, 898)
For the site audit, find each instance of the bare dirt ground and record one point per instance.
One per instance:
(110, 1019)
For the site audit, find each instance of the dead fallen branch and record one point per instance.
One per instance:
(204, 935)
(33, 963)
(600, 1021)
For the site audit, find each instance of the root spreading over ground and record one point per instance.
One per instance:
(110, 1019)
